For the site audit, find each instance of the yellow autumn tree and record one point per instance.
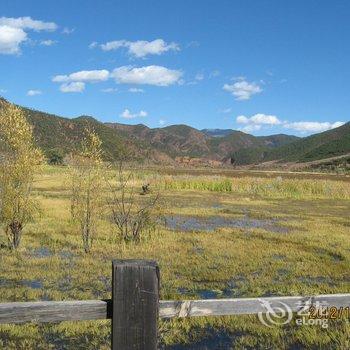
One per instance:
(19, 161)
(86, 185)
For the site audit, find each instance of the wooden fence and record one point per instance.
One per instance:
(135, 306)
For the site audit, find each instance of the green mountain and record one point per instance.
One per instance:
(175, 140)
(185, 141)
(327, 144)
(242, 148)
(217, 132)
(58, 136)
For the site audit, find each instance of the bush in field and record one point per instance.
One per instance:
(86, 184)
(20, 159)
(55, 157)
(132, 215)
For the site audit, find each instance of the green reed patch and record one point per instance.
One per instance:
(272, 188)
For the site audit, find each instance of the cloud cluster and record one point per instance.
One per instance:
(257, 121)
(13, 32)
(199, 76)
(109, 90)
(126, 114)
(75, 86)
(148, 75)
(67, 30)
(34, 92)
(140, 48)
(136, 90)
(242, 89)
(90, 76)
(28, 23)
(48, 42)
(305, 127)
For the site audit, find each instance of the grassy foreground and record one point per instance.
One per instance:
(304, 248)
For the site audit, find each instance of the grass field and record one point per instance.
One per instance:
(223, 236)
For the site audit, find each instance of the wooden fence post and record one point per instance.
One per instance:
(135, 298)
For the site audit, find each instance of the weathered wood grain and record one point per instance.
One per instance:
(241, 306)
(56, 311)
(135, 299)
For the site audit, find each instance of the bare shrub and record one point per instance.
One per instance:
(133, 215)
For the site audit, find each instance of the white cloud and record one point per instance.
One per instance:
(141, 48)
(28, 23)
(199, 76)
(48, 42)
(126, 114)
(162, 122)
(226, 110)
(241, 119)
(83, 76)
(214, 73)
(11, 39)
(239, 78)
(251, 128)
(242, 89)
(3, 91)
(109, 90)
(73, 87)
(258, 119)
(136, 90)
(93, 45)
(111, 45)
(305, 127)
(151, 75)
(34, 92)
(13, 32)
(67, 30)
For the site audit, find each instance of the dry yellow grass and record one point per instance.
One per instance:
(312, 257)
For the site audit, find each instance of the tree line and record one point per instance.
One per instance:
(21, 160)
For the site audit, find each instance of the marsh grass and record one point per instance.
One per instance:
(313, 258)
(215, 185)
(269, 188)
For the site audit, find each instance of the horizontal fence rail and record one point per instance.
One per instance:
(57, 311)
(135, 307)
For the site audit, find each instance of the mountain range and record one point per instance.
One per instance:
(58, 136)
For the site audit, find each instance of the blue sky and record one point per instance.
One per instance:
(265, 67)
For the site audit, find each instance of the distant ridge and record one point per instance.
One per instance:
(217, 132)
(59, 135)
(326, 144)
